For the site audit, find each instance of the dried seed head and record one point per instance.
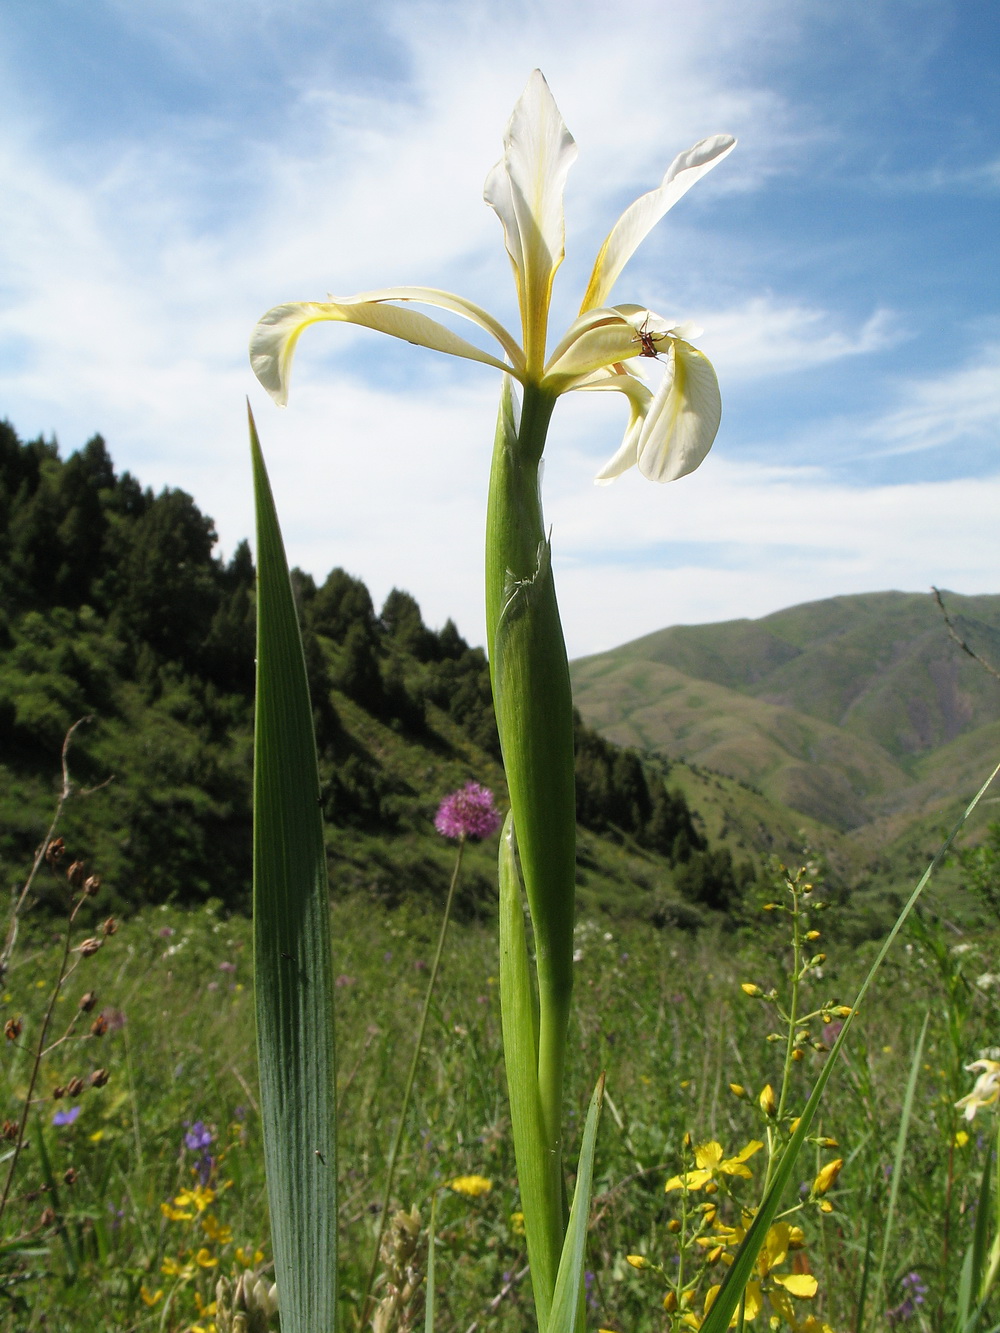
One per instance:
(92, 886)
(69, 1175)
(10, 1130)
(98, 1078)
(57, 1093)
(55, 851)
(89, 947)
(12, 1029)
(99, 1026)
(74, 1087)
(47, 1218)
(87, 1001)
(109, 927)
(75, 874)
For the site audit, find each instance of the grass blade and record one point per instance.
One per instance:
(741, 1269)
(897, 1160)
(431, 1289)
(569, 1283)
(293, 972)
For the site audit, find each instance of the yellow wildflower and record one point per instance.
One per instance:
(201, 1196)
(205, 1258)
(214, 1230)
(175, 1214)
(150, 1298)
(767, 1101)
(517, 1223)
(710, 1162)
(827, 1176)
(248, 1258)
(174, 1268)
(471, 1186)
(637, 1261)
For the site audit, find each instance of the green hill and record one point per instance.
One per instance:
(859, 715)
(114, 607)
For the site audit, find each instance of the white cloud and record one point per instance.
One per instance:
(763, 337)
(959, 403)
(135, 268)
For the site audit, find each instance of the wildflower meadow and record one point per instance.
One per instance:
(341, 1113)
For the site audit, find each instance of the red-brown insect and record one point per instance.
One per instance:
(647, 340)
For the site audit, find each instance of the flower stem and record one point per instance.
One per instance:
(408, 1089)
(533, 701)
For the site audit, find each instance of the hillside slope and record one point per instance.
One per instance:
(860, 713)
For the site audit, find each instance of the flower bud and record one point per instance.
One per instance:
(75, 874)
(767, 1101)
(670, 1302)
(99, 1077)
(87, 1001)
(89, 947)
(12, 1029)
(74, 1087)
(827, 1176)
(748, 988)
(738, 1090)
(673, 1226)
(637, 1261)
(99, 1026)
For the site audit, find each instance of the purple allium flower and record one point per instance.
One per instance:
(66, 1117)
(468, 813)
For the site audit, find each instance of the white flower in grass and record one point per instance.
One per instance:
(986, 1089)
(670, 429)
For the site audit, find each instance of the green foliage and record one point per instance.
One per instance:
(116, 607)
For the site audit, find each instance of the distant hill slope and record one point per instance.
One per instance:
(860, 712)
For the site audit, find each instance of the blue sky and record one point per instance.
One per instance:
(171, 170)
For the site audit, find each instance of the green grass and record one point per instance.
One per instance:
(661, 1011)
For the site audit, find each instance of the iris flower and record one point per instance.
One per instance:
(671, 428)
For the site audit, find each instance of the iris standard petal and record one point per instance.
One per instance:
(640, 218)
(272, 343)
(683, 417)
(525, 189)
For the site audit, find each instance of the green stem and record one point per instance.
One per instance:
(534, 708)
(408, 1089)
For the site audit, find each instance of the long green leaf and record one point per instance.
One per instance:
(741, 1269)
(569, 1284)
(293, 972)
(897, 1161)
(537, 1172)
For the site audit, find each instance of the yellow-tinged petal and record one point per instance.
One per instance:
(273, 341)
(525, 189)
(640, 218)
(775, 1248)
(691, 1180)
(683, 417)
(708, 1154)
(803, 1285)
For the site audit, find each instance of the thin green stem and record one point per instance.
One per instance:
(408, 1089)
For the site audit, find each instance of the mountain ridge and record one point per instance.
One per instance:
(860, 712)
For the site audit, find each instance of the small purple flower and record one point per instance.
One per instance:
(165, 932)
(468, 813)
(344, 980)
(915, 1290)
(66, 1117)
(227, 967)
(198, 1136)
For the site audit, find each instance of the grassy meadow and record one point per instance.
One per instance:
(131, 1198)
